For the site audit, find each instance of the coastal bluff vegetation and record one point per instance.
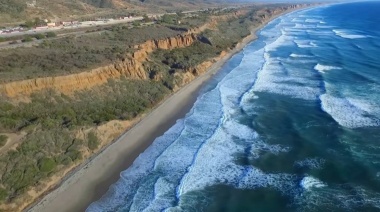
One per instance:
(68, 98)
(15, 11)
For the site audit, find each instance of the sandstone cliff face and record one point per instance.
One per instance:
(129, 67)
(190, 74)
(71, 83)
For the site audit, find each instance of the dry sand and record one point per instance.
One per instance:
(93, 180)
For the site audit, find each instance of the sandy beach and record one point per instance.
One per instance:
(93, 180)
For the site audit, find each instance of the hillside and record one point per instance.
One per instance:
(12, 11)
(15, 11)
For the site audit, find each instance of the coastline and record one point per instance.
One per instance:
(93, 179)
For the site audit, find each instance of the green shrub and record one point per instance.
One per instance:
(74, 155)
(50, 34)
(3, 194)
(93, 141)
(169, 19)
(46, 165)
(39, 36)
(27, 39)
(3, 140)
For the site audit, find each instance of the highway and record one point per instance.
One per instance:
(81, 25)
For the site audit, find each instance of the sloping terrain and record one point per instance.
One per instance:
(14, 11)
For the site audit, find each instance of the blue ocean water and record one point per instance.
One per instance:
(292, 123)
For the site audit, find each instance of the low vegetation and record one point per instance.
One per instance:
(50, 120)
(3, 140)
(93, 141)
(76, 53)
(210, 44)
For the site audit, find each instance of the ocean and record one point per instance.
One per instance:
(291, 123)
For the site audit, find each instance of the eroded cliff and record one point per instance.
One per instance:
(131, 66)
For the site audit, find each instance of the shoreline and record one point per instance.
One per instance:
(103, 170)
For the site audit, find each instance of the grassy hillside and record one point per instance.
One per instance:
(12, 6)
(13, 11)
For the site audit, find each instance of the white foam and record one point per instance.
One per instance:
(260, 146)
(337, 198)
(305, 44)
(365, 105)
(200, 151)
(282, 40)
(304, 26)
(215, 161)
(121, 193)
(312, 163)
(324, 68)
(276, 78)
(299, 56)
(309, 183)
(345, 113)
(312, 20)
(299, 20)
(319, 32)
(348, 34)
